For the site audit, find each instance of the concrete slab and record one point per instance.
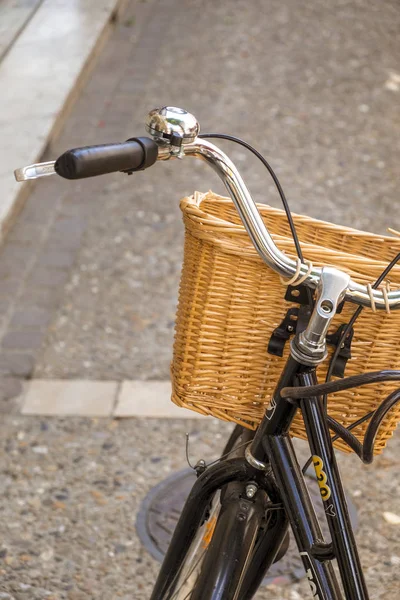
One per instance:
(150, 399)
(38, 77)
(88, 398)
(14, 15)
(70, 398)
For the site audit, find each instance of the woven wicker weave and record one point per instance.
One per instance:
(230, 302)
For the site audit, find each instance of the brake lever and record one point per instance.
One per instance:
(35, 171)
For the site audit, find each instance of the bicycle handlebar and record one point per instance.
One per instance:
(259, 234)
(174, 133)
(135, 154)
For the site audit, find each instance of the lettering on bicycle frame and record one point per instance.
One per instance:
(324, 489)
(271, 409)
(311, 576)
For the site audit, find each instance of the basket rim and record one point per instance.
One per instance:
(197, 198)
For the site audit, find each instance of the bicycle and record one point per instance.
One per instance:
(236, 520)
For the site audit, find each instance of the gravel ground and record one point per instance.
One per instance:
(72, 488)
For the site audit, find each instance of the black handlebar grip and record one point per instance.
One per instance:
(135, 154)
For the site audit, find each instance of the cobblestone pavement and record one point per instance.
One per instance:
(89, 274)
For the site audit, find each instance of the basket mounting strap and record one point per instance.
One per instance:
(345, 351)
(295, 321)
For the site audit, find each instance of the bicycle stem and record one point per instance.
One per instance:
(309, 346)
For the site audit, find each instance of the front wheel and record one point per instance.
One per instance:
(238, 542)
(234, 545)
(183, 585)
(231, 547)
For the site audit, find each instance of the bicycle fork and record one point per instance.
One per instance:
(239, 523)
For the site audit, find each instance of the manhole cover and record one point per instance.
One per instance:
(161, 508)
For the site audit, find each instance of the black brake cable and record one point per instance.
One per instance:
(285, 203)
(352, 321)
(334, 356)
(364, 450)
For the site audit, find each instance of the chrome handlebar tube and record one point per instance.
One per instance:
(176, 133)
(259, 234)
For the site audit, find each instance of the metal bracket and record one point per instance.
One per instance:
(297, 293)
(35, 171)
(309, 346)
(282, 333)
(295, 321)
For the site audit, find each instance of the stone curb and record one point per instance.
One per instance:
(41, 76)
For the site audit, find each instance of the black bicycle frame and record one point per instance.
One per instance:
(272, 445)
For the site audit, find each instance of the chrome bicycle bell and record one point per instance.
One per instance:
(173, 126)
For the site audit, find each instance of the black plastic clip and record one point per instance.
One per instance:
(298, 294)
(323, 551)
(282, 333)
(345, 351)
(295, 320)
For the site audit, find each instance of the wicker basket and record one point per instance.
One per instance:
(230, 302)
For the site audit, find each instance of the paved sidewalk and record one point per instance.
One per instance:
(46, 50)
(14, 16)
(88, 398)
(90, 271)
